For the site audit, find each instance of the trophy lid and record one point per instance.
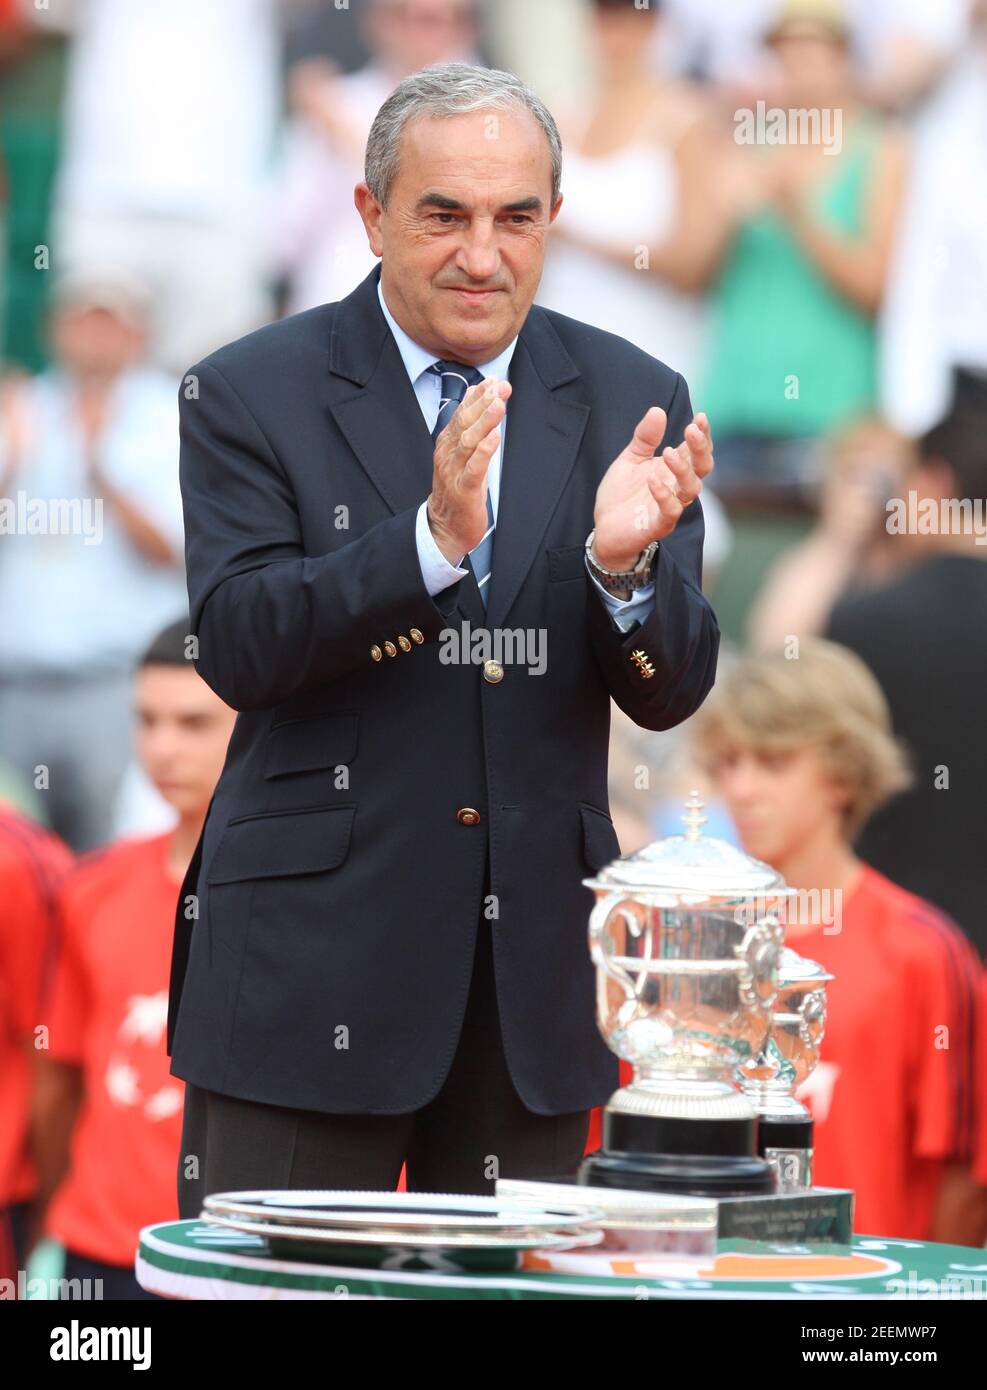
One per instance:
(698, 867)
(794, 969)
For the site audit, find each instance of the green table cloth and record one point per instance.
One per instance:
(191, 1260)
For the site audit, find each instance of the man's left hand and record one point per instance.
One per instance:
(641, 496)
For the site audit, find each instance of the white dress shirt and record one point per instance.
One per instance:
(437, 571)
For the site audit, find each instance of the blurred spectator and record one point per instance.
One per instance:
(11, 28)
(109, 1111)
(318, 241)
(32, 862)
(935, 317)
(169, 126)
(980, 1156)
(901, 46)
(650, 777)
(91, 550)
(33, 58)
(547, 44)
(849, 549)
(324, 29)
(803, 753)
(625, 251)
(800, 267)
(923, 637)
(139, 809)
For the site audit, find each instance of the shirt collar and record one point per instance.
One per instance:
(417, 359)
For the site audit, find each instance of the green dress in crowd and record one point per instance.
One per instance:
(30, 136)
(790, 356)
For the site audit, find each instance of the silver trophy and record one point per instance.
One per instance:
(687, 938)
(770, 1079)
(719, 1022)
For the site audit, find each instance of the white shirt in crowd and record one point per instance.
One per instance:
(171, 107)
(82, 596)
(935, 310)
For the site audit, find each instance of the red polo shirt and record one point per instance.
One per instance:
(109, 1015)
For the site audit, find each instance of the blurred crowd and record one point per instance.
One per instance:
(786, 201)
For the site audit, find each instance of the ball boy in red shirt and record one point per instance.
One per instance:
(801, 749)
(107, 1066)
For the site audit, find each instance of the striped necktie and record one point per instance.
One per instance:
(455, 379)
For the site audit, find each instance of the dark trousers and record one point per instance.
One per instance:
(118, 1282)
(13, 1239)
(475, 1130)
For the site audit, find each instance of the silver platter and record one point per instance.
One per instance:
(409, 1239)
(400, 1213)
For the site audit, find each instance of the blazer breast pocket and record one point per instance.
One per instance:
(566, 562)
(311, 744)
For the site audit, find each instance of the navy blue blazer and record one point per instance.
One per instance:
(325, 930)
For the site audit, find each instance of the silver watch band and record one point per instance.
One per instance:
(621, 580)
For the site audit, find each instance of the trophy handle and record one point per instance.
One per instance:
(760, 952)
(600, 943)
(812, 1019)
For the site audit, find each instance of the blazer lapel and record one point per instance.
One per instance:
(382, 420)
(544, 431)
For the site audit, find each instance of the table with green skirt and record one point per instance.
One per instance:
(192, 1260)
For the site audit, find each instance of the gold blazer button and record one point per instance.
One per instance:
(641, 661)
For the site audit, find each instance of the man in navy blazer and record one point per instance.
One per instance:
(422, 558)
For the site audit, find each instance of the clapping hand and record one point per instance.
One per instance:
(641, 496)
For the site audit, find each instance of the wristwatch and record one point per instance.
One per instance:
(622, 583)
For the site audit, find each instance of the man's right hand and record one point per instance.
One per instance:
(457, 504)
